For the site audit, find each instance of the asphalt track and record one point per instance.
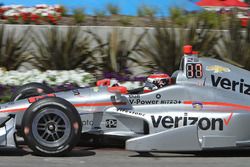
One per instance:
(113, 157)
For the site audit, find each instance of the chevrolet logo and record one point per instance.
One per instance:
(217, 69)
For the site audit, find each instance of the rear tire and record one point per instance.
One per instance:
(31, 89)
(51, 126)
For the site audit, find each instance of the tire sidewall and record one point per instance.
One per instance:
(65, 107)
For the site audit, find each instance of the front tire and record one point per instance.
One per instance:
(26, 91)
(51, 126)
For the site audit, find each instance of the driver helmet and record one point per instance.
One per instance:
(156, 81)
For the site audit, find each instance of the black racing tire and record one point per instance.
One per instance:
(51, 126)
(31, 89)
(144, 153)
(25, 91)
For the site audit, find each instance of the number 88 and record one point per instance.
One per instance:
(194, 71)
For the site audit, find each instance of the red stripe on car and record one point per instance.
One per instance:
(76, 105)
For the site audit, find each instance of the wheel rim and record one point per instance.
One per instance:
(51, 127)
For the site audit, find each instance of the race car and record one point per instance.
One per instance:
(205, 107)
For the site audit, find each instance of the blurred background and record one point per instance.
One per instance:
(68, 44)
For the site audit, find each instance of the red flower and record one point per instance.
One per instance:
(25, 16)
(37, 22)
(59, 10)
(34, 17)
(1, 11)
(15, 17)
(52, 19)
(59, 17)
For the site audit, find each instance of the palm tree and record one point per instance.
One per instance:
(63, 49)
(14, 48)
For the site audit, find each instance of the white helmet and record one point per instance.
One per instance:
(156, 81)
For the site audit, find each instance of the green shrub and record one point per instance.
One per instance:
(14, 48)
(146, 11)
(13, 19)
(178, 17)
(113, 9)
(68, 49)
(99, 13)
(118, 50)
(163, 47)
(235, 44)
(212, 19)
(64, 10)
(5, 94)
(162, 50)
(79, 15)
(125, 21)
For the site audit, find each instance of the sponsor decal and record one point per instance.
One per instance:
(135, 96)
(145, 102)
(136, 99)
(130, 112)
(236, 86)
(76, 92)
(170, 102)
(218, 69)
(36, 98)
(96, 89)
(111, 123)
(87, 123)
(226, 121)
(139, 101)
(197, 105)
(203, 123)
(194, 70)
(158, 96)
(4, 106)
(192, 59)
(11, 103)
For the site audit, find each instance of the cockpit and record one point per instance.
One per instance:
(190, 69)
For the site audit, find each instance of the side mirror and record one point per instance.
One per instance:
(118, 90)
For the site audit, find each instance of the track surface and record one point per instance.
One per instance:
(110, 157)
